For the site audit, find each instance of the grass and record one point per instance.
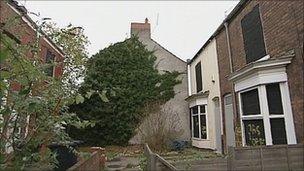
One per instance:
(189, 154)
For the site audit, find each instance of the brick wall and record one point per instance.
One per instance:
(23, 31)
(283, 30)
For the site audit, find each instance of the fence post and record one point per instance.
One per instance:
(231, 157)
(153, 163)
(261, 158)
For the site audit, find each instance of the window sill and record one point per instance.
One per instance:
(198, 139)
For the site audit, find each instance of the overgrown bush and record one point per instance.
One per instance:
(161, 126)
(126, 77)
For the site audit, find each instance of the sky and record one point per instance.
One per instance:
(182, 27)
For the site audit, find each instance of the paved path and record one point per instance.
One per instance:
(123, 164)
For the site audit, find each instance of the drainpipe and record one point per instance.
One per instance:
(189, 76)
(229, 48)
(231, 71)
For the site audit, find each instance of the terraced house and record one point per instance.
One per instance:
(259, 71)
(16, 24)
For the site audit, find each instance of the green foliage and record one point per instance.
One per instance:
(41, 99)
(125, 76)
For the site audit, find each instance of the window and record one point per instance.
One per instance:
(198, 76)
(278, 131)
(49, 59)
(253, 35)
(256, 115)
(199, 122)
(274, 99)
(250, 101)
(254, 132)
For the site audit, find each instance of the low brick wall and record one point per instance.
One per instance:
(95, 162)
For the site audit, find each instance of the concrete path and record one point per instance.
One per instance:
(123, 163)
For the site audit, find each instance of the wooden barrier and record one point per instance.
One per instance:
(155, 162)
(276, 157)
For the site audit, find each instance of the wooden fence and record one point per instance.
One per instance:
(276, 157)
(95, 162)
(156, 162)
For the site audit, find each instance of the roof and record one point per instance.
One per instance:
(167, 50)
(231, 15)
(23, 11)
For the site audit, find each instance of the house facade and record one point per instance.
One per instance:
(259, 51)
(204, 99)
(166, 61)
(17, 25)
(21, 29)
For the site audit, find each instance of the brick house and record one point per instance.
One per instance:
(260, 65)
(166, 61)
(19, 27)
(23, 31)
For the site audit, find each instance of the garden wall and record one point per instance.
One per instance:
(95, 162)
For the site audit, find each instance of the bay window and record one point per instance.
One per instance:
(262, 115)
(199, 121)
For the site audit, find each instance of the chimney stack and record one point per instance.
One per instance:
(142, 30)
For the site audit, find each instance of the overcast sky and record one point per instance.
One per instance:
(180, 26)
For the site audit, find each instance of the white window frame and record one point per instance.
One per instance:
(199, 122)
(266, 116)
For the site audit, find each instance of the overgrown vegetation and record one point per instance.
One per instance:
(160, 127)
(126, 77)
(35, 115)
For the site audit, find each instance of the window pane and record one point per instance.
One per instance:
(203, 127)
(250, 102)
(274, 99)
(254, 132)
(49, 59)
(203, 109)
(195, 127)
(195, 110)
(278, 131)
(198, 76)
(253, 35)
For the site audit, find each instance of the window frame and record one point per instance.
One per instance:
(201, 77)
(199, 114)
(248, 60)
(265, 115)
(52, 62)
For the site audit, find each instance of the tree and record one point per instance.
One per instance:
(42, 98)
(74, 43)
(126, 78)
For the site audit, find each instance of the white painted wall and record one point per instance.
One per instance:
(210, 77)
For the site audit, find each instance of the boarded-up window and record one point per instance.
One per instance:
(278, 132)
(253, 35)
(198, 76)
(254, 132)
(250, 102)
(274, 99)
(49, 59)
